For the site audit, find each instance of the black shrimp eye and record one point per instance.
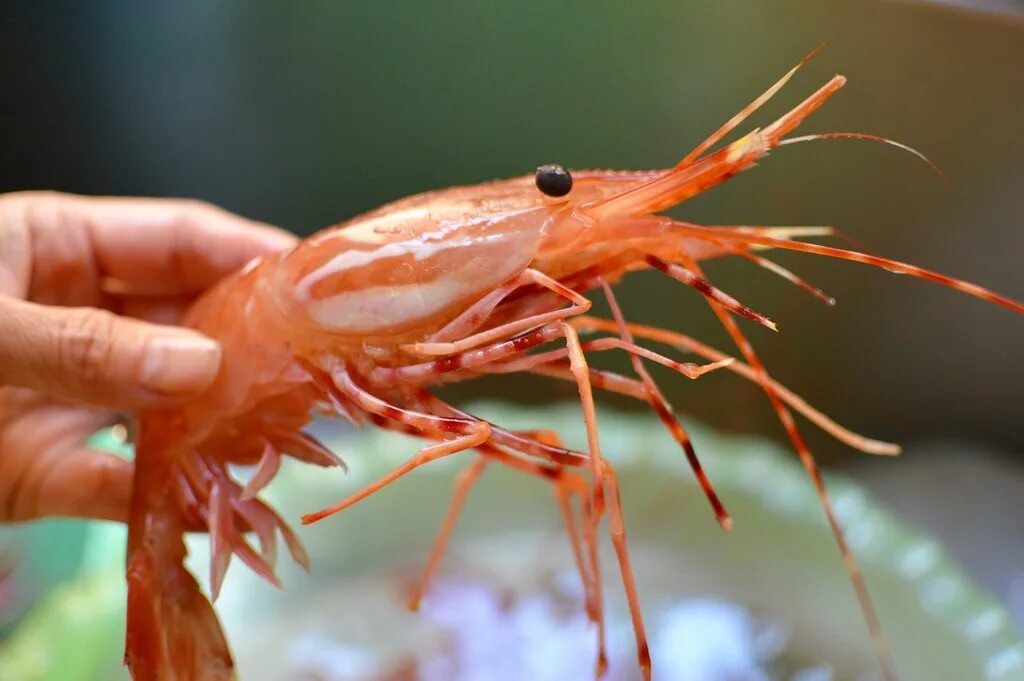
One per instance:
(554, 180)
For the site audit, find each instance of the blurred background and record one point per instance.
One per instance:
(303, 115)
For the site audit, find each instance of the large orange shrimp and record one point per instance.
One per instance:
(362, 318)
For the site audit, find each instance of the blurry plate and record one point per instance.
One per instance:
(771, 597)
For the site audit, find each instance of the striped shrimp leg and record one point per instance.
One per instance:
(688, 344)
(663, 409)
(565, 482)
(807, 459)
(603, 475)
(467, 435)
(546, 445)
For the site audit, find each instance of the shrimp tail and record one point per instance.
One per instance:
(173, 632)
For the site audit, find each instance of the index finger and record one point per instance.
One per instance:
(165, 246)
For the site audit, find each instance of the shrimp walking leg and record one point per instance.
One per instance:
(566, 483)
(522, 443)
(617, 530)
(581, 373)
(471, 359)
(470, 434)
(804, 453)
(463, 483)
(602, 379)
(687, 369)
(622, 385)
(566, 486)
(688, 344)
(604, 475)
(422, 457)
(704, 287)
(476, 314)
(663, 409)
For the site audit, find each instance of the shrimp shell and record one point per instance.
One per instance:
(362, 319)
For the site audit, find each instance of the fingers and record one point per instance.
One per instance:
(156, 309)
(93, 356)
(184, 245)
(46, 471)
(87, 483)
(164, 246)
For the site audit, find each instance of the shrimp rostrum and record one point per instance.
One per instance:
(362, 319)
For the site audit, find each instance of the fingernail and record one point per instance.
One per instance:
(179, 363)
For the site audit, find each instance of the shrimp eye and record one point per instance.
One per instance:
(554, 180)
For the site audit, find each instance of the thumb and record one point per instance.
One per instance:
(94, 356)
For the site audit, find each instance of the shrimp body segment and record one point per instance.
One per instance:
(362, 319)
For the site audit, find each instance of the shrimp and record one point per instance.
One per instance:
(361, 320)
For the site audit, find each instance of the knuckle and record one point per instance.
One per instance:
(178, 247)
(44, 209)
(192, 213)
(85, 345)
(20, 209)
(40, 206)
(190, 205)
(191, 219)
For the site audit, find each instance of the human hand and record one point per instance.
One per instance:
(89, 289)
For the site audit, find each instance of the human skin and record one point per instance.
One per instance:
(90, 291)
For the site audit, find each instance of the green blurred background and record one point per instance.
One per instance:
(304, 114)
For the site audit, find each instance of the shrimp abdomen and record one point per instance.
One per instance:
(173, 631)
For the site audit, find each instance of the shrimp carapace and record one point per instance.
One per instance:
(362, 319)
